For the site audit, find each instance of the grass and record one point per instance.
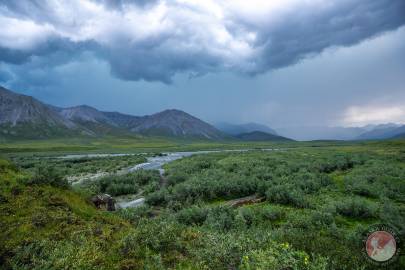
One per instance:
(143, 144)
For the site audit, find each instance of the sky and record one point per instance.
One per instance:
(284, 63)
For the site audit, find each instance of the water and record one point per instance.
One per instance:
(154, 163)
(131, 204)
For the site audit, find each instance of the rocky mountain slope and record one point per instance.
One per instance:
(176, 123)
(25, 117)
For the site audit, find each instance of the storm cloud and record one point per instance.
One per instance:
(155, 40)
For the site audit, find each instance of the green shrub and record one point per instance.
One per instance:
(392, 214)
(322, 219)
(157, 198)
(286, 194)
(176, 178)
(273, 213)
(194, 215)
(221, 218)
(47, 175)
(135, 214)
(356, 208)
(276, 257)
(129, 183)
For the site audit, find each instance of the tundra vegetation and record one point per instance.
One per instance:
(316, 204)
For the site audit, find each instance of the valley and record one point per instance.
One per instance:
(202, 135)
(303, 205)
(86, 189)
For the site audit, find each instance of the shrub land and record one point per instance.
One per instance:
(314, 205)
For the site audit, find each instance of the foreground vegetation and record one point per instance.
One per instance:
(316, 204)
(79, 165)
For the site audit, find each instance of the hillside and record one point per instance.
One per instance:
(309, 133)
(25, 117)
(399, 136)
(176, 123)
(235, 129)
(261, 136)
(382, 132)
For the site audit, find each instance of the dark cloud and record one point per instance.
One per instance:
(120, 4)
(156, 64)
(53, 52)
(329, 89)
(309, 32)
(154, 44)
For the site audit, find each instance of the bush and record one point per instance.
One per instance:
(273, 213)
(221, 218)
(176, 178)
(130, 183)
(322, 219)
(135, 214)
(281, 258)
(159, 235)
(360, 186)
(194, 215)
(356, 208)
(5, 165)
(157, 198)
(46, 175)
(286, 194)
(391, 214)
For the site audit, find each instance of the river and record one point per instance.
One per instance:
(152, 163)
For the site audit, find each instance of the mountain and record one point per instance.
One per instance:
(260, 136)
(176, 123)
(234, 129)
(85, 113)
(25, 117)
(399, 136)
(308, 133)
(125, 121)
(384, 131)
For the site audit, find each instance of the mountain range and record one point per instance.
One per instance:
(369, 132)
(25, 117)
(384, 131)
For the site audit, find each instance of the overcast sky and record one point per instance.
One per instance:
(281, 62)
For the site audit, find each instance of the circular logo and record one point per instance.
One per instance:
(381, 244)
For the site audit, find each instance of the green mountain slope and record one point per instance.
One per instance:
(261, 136)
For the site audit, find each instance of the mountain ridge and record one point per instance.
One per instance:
(261, 136)
(24, 116)
(235, 129)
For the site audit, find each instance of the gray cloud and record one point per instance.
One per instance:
(120, 4)
(308, 32)
(338, 87)
(155, 40)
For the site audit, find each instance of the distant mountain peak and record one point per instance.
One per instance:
(177, 123)
(235, 129)
(260, 136)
